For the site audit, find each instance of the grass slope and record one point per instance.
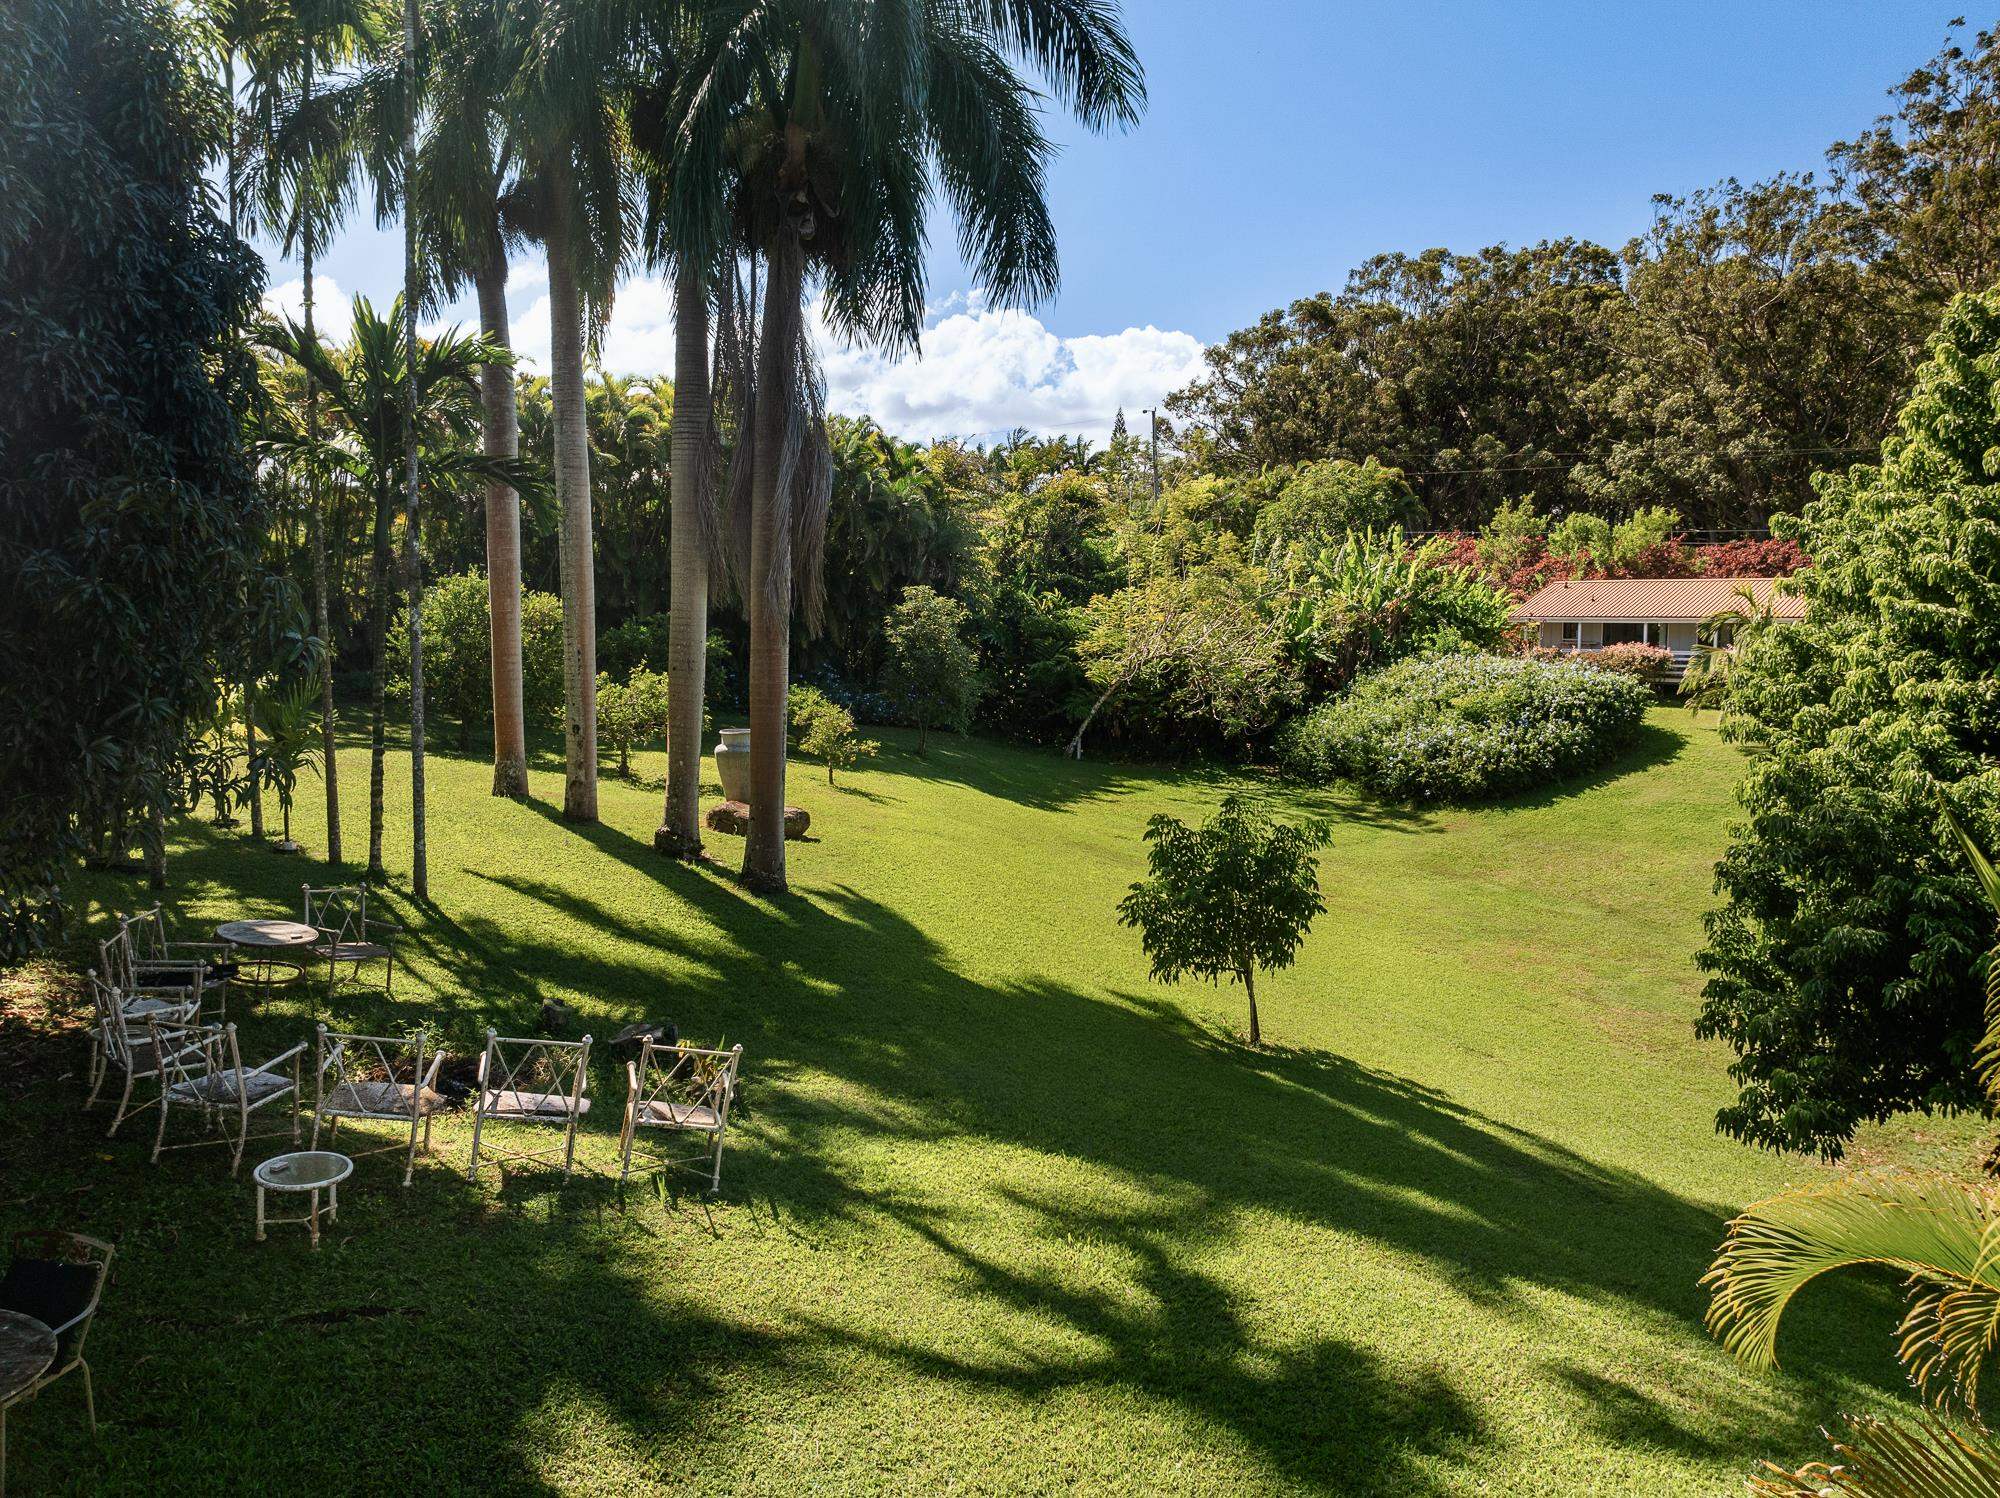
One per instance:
(1002, 1214)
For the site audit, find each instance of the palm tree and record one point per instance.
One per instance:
(467, 182)
(1705, 683)
(289, 751)
(565, 108)
(1936, 1230)
(374, 405)
(307, 174)
(833, 120)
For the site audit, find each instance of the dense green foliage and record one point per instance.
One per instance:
(458, 653)
(933, 674)
(1460, 728)
(1843, 961)
(1231, 898)
(130, 551)
(1752, 336)
(1367, 599)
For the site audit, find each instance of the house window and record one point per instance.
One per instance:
(1569, 635)
(1624, 634)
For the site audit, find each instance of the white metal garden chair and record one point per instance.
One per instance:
(145, 986)
(531, 1081)
(375, 1078)
(350, 936)
(159, 961)
(681, 1090)
(126, 1044)
(204, 1069)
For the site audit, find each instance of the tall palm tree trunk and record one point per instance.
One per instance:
(687, 632)
(579, 583)
(501, 436)
(771, 571)
(378, 644)
(316, 508)
(255, 783)
(413, 570)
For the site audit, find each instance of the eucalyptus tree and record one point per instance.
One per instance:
(375, 408)
(565, 107)
(832, 123)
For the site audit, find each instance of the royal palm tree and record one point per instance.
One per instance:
(466, 183)
(565, 112)
(306, 177)
(1940, 1233)
(373, 405)
(825, 124)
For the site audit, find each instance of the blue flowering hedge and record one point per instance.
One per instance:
(1467, 727)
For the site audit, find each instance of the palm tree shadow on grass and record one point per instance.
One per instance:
(1213, 1129)
(829, 984)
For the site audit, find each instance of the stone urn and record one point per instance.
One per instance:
(732, 763)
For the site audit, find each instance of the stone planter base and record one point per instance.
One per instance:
(733, 817)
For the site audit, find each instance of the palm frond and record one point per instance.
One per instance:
(1876, 1458)
(1942, 1232)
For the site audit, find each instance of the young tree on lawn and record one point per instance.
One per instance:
(932, 668)
(830, 736)
(1226, 899)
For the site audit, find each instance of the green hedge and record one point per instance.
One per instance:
(1467, 727)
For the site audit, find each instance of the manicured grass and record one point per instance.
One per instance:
(1001, 1214)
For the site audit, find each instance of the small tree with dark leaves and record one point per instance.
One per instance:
(1227, 899)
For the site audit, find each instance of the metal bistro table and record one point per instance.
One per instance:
(26, 1349)
(261, 941)
(305, 1170)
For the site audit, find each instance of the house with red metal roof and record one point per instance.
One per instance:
(1588, 614)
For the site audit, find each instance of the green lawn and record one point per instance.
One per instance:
(1001, 1214)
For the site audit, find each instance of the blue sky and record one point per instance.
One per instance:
(1287, 141)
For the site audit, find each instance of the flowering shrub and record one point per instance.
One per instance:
(1647, 662)
(1467, 727)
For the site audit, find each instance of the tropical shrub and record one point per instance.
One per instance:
(639, 644)
(1843, 962)
(1466, 727)
(1647, 662)
(1178, 650)
(932, 670)
(1321, 502)
(1372, 598)
(633, 713)
(1229, 899)
(1036, 687)
(1514, 538)
(458, 653)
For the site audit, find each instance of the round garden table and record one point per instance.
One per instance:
(312, 1171)
(263, 940)
(26, 1349)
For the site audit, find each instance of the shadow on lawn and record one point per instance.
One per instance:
(1202, 1141)
(1209, 1131)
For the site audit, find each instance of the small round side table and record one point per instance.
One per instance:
(310, 1171)
(262, 941)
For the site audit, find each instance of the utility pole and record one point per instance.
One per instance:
(1154, 413)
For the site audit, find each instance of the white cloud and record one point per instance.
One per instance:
(982, 372)
(333, 312)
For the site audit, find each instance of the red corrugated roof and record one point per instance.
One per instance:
(1653, 599)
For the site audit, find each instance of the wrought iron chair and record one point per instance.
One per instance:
(375, 1077)
(173, 1003)
(340, 914)
(146, 987)
(159, 962)
(127, 1045)
(204, 1069)
(531, 1081)
(681, 1090)
(57, 1278)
